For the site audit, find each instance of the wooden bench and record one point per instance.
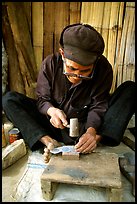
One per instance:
(95, 170)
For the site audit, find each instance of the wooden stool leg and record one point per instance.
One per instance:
(48, 189)
(114, 194)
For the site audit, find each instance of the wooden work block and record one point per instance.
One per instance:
(114, 194)
(48, 189)
(95, 170)
(70, 155)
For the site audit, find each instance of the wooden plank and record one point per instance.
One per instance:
(70, 155)
(95, 169)
(27, 10)
(74, 12)
(62, 14)
(13, 64)
(23, 45)
(48, 28)
(37, 32)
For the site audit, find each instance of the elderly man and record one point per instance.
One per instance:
(74, 83)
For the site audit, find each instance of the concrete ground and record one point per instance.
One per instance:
(12, 174)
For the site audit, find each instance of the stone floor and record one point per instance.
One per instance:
(12, 175)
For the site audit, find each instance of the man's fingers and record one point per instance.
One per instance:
(89, 149)
(86, 144)
(58, 119)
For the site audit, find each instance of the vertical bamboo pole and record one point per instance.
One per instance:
(37, 31)
(98, 15)
(62, 16)
(122, 49)
(92, 13)
(132, 54)
(113, 26)
(74, 12)
(116, 64)
(87, 12)
(105, 25)
(127, 63)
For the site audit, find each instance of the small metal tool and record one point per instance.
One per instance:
(73, 127)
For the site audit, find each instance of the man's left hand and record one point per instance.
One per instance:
(88, 141)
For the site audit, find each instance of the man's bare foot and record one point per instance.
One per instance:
(50, 144)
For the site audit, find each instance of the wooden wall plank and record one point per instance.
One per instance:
(27, 10)
(48, 28)
(37, 32)
(111, 19)
(62, 16)
(74, 12)
(13, 64)
(23, 46)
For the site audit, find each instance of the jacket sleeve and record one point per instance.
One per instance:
(100, 99)
(43, 88)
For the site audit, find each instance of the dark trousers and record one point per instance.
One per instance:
(23, 113)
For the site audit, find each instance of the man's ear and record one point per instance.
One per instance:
(61, 51)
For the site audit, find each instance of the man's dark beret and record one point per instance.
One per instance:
(82, 43)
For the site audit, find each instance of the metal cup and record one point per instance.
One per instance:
(13, 135)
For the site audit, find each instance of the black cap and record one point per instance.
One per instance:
(82, 43)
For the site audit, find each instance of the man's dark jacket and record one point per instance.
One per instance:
(87, 101)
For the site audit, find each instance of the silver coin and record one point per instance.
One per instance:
(67, 148)
(56, 150)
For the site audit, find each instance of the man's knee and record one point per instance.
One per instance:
(129, 85)
(9, 96)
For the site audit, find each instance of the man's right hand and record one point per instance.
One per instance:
(58, 117)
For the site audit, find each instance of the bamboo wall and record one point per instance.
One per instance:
(31, 31)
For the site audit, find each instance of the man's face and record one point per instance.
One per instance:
(79, 71)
